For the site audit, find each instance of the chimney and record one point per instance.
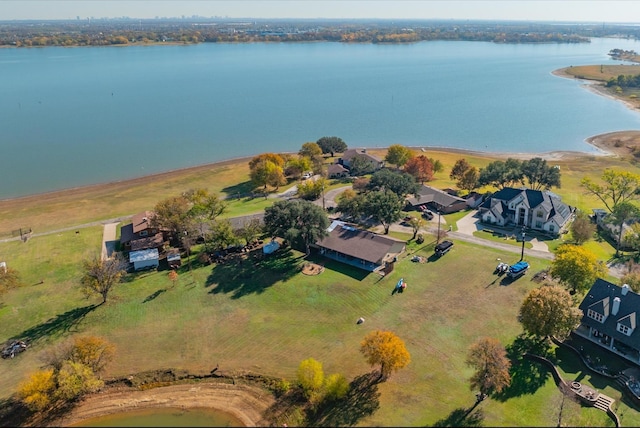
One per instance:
(625, 289)
(616, 306)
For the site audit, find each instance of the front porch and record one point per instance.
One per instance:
(609, 344)
(350, 260)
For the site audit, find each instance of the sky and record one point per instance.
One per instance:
(627, 11)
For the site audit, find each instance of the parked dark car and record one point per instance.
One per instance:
(427, 214)
(443, 248)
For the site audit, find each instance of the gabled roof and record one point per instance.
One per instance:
(428, 194)
(141, 221)
(351, 153)
(359, 243)
(336, 168)
(601, 307)
(559, 212)
(599, 297)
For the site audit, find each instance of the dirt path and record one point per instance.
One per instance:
(243, 402)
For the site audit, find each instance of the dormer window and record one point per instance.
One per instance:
(624, 329)
(596, 316)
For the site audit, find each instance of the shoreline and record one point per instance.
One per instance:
(601, 150)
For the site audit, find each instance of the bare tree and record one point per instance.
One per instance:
(100, 275)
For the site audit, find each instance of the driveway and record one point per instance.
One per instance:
(471, 223)
(108, 239)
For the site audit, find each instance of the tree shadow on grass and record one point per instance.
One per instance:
(240, 190)
(63, 323)
(154, 295)
(462, 418)
(254, 275)
(526, 376)
(362, 400)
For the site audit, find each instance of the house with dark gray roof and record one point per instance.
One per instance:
(610, 317)
(436, 200)
(360, 248)
(534, 209)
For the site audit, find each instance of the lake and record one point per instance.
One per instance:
(77, 116)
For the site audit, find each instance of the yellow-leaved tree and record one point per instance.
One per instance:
(310, 376)
(386, 349)
(37, 392)
(576, 267)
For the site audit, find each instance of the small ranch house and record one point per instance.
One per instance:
(359, 248)
(337, 171)
(347, 157)
(436, 200)
(610, 317)
(534, 209)
(140, 234)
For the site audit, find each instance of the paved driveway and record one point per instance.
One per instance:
(471, 223)
(108, 239)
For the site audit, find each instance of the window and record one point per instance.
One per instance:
(539, 214)
(624, 329)
(552, 228)
(538, 224)
(595, 315)
(144, 232)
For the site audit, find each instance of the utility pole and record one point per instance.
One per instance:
(438, 237)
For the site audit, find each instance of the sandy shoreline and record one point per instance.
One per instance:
(243, 402)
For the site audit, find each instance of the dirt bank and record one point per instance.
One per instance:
(244, 402)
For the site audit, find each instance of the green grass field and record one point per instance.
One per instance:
(267, 318)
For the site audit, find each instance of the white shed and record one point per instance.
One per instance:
(144, 259)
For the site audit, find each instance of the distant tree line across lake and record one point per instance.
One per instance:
(123, 31)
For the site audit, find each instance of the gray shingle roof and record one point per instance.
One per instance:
(600, 299)
(360, 243)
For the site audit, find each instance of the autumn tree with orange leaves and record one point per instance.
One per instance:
(420, 167)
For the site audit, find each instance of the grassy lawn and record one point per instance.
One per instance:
(268, 317)
(490, 235)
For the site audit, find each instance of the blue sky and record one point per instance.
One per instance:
(540, 10)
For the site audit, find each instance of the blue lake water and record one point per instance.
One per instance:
(76, 116)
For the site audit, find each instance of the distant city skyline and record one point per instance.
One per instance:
(615, 11)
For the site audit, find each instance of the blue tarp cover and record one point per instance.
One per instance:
(518, 267)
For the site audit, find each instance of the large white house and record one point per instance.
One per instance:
(533, 209)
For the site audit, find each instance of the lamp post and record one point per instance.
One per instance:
(323, 207)
(522, 254)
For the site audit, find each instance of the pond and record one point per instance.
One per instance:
(164, 417)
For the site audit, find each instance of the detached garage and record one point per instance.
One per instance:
(144, 259)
